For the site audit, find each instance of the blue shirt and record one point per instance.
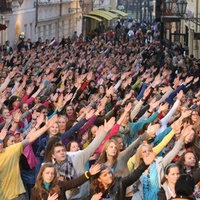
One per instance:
(150, 183)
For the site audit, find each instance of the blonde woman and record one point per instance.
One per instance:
(150, 181)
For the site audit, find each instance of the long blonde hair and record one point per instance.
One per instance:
(103, 155)
(138, 154)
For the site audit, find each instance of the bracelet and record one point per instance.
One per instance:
(143, 100)
(86, 175)
(16, 122)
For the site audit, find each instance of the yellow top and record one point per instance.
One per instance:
(157, 149)
(10, 178)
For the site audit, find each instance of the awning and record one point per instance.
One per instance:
(93, 17)
(102, 13)
(123, 14)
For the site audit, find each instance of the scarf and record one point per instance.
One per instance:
(66, 169)
(127, 134)
(46, 185)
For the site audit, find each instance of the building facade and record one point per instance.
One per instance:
(18, 17)
(192, 26)
(51, 18)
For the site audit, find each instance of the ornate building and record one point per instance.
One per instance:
(55, 18)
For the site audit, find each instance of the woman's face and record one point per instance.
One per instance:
(11, 141)
(93, 131)
(106, 178)
(195, 116)
(25, 107)
(5, 114)
(62, 123)
(114, 97)
(15, 103)
(101, 90)
(45, 112)
(53, 130)
(111, 150)
(37, 100)
(190, 160)
(74, 147)
(22, 93)
(48, 174)
(189, 138)
(69, 110)
(126, 119)
(183, 108)
(173, 175)
(92, 84)
(145, 151)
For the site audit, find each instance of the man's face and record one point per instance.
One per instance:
(59, 154)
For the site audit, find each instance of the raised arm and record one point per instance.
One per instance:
(84, 156)
(67, 185)
(7, 81)
(137, 108)
(72, 130)
(32, 136)
(135, 175)
(170, 156)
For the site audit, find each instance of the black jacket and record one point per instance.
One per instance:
(118, 189)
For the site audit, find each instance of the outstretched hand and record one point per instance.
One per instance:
(186, 132)
(180, 95)
(97, 196)
(109, 124)
(94, 169)
(128, 95)
(163, 107)
(51, 121)
(153, 105)
(53, 196)
(146, 93)
(186, 113)
(89, 114)
(128, 107)
(110, 91)
(176, 126)
(39, 120)
(151, 130)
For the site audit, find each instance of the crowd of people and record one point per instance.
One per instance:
(103, 119)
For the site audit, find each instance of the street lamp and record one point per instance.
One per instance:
(168, 4)
(182, 5)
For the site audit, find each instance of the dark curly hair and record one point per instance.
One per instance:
(95, 185)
